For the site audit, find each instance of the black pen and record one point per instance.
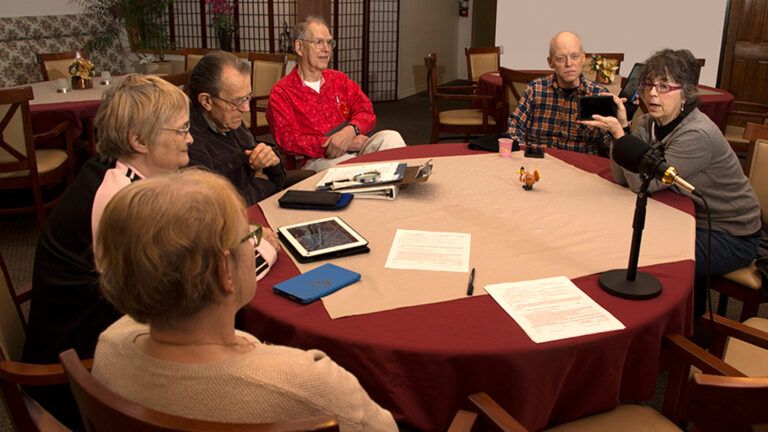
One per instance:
(471, 283)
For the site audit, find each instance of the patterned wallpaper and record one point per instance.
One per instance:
(23, 37)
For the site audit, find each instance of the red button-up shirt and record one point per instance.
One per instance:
(300, 118)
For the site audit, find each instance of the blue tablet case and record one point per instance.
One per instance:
(318, 282)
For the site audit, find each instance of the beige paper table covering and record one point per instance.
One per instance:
(573, 223)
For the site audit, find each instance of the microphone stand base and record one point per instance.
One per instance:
(644, 286)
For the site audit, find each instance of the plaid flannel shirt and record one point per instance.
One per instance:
(546, 116)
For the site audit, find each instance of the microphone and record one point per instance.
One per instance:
(637, 156)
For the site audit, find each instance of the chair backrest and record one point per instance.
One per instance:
(12, 332)
(16, 146)
(757, 162)
(192, 56)
(513, 84)
(179, 79)
(590, 73)
(266, 71)
(56, 65)
(104, 410)
(482, 60)
(745, 407)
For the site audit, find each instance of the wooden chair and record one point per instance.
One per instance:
(736, 119)
(102, 410)
(22, 166)
(179, 80)
(746, 284)
(192, 56)
(16, 296)
(56, 65)
(472, 121)
(266, 71)
(482, 60)
(513, 84)
(24, 412)
(717, 397)
(587, 66)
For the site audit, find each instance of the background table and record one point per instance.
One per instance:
(79, 107)
(713, 102)
(421, 362)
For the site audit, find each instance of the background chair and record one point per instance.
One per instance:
(482, 60)
(513, 84)
(56, 65)
(192, 56)
(179, 80)
(25, 413)
(736, 119)
(718, 397)
(22, 166)
(266, 71)
(104, 410)
(746, 284)
(472, 121)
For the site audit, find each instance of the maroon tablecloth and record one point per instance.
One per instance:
(422, 362)
(45, 116)
(715, 102)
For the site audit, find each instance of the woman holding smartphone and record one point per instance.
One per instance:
(689, 141)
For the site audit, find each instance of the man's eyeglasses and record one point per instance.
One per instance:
(237, 103)
(255, 235)
(560, 59)
(661, 87)
(318, 43)
(182, 131)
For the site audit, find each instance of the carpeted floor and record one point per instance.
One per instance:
(410, 116)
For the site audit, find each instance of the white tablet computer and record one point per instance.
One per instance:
(329, 236)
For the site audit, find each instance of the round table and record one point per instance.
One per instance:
(422, 362)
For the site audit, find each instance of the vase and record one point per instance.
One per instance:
(79, 83)
(225, 39)
(602, 78)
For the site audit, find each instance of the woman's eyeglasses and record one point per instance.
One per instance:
(661, 87)
(255, 235)
(182, 131)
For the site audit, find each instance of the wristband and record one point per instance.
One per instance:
(355, 128)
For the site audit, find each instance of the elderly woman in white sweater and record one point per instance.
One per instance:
(176, 254)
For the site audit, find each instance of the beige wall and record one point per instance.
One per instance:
(430, 26)
(635, 28)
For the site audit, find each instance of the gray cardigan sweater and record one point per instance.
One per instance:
(702, 156)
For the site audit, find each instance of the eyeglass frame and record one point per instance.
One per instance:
(233, 104)
(560, 59)
(255, 235)
(182, 131)
(646, 87)
(318, 43)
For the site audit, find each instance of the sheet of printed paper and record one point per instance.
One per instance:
(387, 172)
(552, 309)
(429, 250)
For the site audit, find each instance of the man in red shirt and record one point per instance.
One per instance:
(319, 112)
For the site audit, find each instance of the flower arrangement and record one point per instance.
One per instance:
(223, 17)
(605, 68)
(82, 69)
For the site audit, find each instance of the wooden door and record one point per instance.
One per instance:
(745, 64)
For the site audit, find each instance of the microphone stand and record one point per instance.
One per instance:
(630, 283)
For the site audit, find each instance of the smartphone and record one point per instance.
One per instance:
(600, 105)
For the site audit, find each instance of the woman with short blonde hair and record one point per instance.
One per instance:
(176, 254)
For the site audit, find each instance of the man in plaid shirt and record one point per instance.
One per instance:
(547, 111)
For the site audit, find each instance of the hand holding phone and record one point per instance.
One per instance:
(601, 105)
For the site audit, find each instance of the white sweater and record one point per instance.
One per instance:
(268, 384)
